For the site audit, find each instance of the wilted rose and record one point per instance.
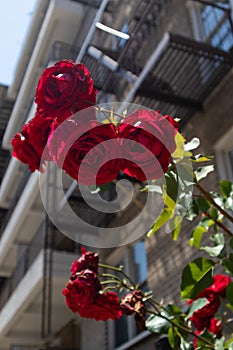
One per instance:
(132, 304)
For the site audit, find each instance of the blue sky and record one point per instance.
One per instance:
(15, 16)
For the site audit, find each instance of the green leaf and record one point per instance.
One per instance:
(197, 236)
(218, 238)
(202, 172)
(214, 213)
(203, 204)
(185, 174)
(172, 310)
(161, 220)
(219, 344)
(220, 247)
(210, 337)
(231, 243)
(218, 251)
(172, 185)
(191, 145)
(173, 338)
(157, 324)
(175, 226)
(229, 293)
(226, 187)
(196, 305)
(200, 158)
(179, 151)
(170, 203)
(191, 208)
(228, 266)
(196, 276)
(207, 223)
(186, 345)
(229, 344)
(152, 188)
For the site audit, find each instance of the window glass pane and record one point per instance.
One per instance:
(231, 160)
(140, 261)
(216, 25)
(121, 331)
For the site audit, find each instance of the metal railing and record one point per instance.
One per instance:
(25, 261)
(19, 191)
(22, 266)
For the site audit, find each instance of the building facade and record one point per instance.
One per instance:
(175, 56)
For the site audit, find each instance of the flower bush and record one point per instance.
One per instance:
(144, 145)
(84, 293)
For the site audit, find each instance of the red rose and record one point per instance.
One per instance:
(23, 151)
(220, 284)
(88, 260)
(200, 323)
(82, 291)
(215, 327)
(211, 308)
(195, 341)
(106, 306)
(31, 143)
(148, 156)
(72, 148)
(64, 89)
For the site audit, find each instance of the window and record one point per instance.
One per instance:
(224, 156)
(212, 23)
(216, 26)
(134, 260)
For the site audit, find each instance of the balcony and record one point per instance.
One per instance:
(21, 294)
(6, 106)
(182, 74)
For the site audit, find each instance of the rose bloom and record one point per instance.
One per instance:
(211, 308)
(30, 144)
(220, 284)
(82, 291)
(200, 323)
(73, 147)
(195, 340)
(132, 303)
(88, 260)
(153, 131)
(64, 89)
(105, 307)
(215, 327)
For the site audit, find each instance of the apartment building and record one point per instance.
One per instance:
(171, 55)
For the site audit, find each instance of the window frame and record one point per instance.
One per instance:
(127, 253)
(198, 25)
(222, 149)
